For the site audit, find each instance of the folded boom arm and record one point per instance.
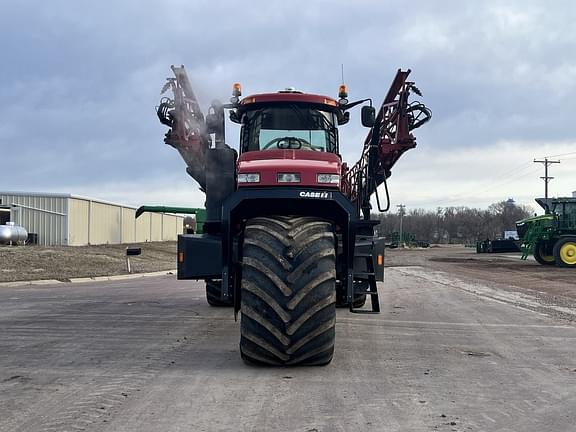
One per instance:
(387, 140)
(188, 131)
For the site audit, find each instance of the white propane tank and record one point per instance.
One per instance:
(12, 234)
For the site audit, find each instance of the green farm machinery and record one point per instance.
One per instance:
(191, 226)
(551, 237)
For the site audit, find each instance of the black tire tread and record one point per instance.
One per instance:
(288, 291)
(213, 292)
(539, 249)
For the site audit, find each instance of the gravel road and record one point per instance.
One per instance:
(150, 355)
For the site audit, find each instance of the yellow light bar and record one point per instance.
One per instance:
(330, 102)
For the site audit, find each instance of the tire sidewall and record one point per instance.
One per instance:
(541, 246)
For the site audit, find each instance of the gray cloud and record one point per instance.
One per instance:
(79, 81)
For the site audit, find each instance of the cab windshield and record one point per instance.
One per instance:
(289, 127)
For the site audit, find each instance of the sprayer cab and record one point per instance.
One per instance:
(288, 138)
(274, 121)
(306, 121)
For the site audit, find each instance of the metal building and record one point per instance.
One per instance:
(65, 219)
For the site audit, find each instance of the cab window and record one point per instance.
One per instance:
(291, 127)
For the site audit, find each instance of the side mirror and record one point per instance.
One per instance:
(368, 116)
(344, 118)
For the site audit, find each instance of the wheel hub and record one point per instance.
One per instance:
(568, 253)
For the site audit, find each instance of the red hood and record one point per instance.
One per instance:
(268, 163)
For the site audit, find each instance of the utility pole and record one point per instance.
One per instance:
(401, 208)
(438, 214)
(546, 178)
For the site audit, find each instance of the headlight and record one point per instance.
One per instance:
(328, 178)
(288, 177)
(249, 178)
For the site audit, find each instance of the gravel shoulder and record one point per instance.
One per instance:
(26, 263)
(552, 288)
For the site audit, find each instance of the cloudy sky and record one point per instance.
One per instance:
(79, 82)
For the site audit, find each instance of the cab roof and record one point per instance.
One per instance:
(290, 96)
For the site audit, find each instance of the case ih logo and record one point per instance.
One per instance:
(322, 195)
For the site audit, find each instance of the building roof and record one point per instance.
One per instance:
(63, 195)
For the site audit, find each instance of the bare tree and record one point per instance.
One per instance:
(456, 224)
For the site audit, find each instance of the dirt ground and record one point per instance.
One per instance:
(505, 268)
(446, 353)
(552, 288)
(20, 263)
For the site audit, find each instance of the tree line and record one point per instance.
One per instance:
(454, 224)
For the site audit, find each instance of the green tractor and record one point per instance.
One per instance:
(551, 238)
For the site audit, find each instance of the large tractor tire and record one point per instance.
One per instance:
(288, 291)
(565, 252)
(543, 253)
(213, 292)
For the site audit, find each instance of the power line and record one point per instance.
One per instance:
(511, 171)
(546, 177)
(561, 154)
(504, 178)
(512, 177)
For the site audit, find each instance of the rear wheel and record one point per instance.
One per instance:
(360, 299)
(213, 293)
(288, 291)
(565, 252)
(543, 253)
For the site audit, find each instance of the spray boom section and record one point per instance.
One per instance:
(389, 138)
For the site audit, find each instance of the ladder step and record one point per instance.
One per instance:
(362, 255)
(369, 222)
(364, 311)
(366, 292)
(363, 274)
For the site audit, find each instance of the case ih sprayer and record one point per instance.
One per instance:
(288, 234)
